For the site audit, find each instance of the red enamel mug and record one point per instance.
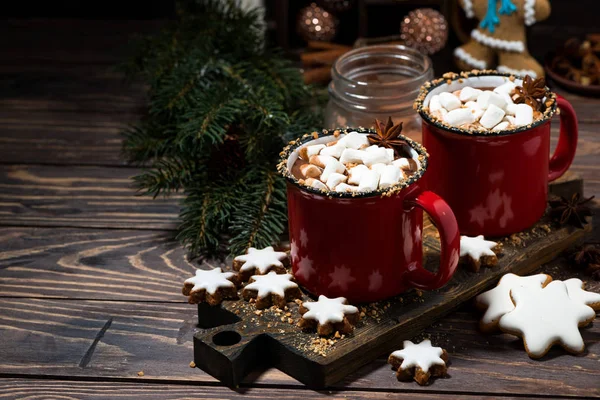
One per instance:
(496, 183)
(365, 247)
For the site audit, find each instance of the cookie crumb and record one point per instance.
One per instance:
(192, 364)
(141, 373)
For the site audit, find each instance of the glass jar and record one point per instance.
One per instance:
(377, 82)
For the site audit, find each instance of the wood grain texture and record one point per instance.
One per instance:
(33, 389)
(55, 262)
(50, 338)
(80, 196)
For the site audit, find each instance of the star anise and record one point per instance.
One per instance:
(387, 136)
(532, 92)
(588, 257)
(571, 211)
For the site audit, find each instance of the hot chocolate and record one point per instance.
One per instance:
(513, 104)
(357, 162)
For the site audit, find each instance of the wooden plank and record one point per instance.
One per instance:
(37, 388)
(92, 264)
(80, 197)
(102, 340)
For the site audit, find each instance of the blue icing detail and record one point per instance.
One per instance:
(491, 19)
(507, 7)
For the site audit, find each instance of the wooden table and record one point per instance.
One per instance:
(90, 276)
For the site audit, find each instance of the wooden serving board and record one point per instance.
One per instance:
(235, 339)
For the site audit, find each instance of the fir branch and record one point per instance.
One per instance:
(221, 105)
(261, 217)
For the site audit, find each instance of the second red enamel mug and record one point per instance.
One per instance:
(496, 183)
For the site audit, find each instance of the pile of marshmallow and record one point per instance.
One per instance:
(351, 164)
(471, 108)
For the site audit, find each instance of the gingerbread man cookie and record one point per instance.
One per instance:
(259, 262)
(547, 316)
(419, 362)
(497, 302)
(328, 315)
(210, 286)
(476, 251)
(271, 289)
(501, 36)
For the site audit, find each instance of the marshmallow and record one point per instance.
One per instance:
(372, 148)
(475, 109)
(469, 94)
(507, 98)
(333, 151)
(460, 116)
(390, 176)
(390, 155)
(449, 101)
(330, 168)
(315, 183)
(342, 187)
(369, 181)
(356, 174)
(353, 140)
(511, 109)
(375, 157)
(402, 163)
(378, 167)
(488, 97)
(507, 87)
(307, 151)
(492, 116)
(501, 126)
(434, 104)
(523, 115)
(334, 143)
(321, 161)
(510, 119)
(310, 171)
(441, 113)
(335, 179)
(352, 156)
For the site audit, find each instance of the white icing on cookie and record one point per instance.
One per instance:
(210, 280)
(328, 310)
(546, 316)
(422, 355)
(271, 283)
(577, 293)
(497, 300)
(476, 247)
(262, 260)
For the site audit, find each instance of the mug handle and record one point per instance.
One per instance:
(567, 141)
(443, 218)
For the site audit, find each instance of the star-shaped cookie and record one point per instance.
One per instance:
(576, 292)
(496, 302)
(271, 289)
(547, 316)
(419, 361)
(476, 251)
(210, 286)
(328, 315)
(259, 262)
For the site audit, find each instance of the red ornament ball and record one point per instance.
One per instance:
(425, 29)
(315, 23)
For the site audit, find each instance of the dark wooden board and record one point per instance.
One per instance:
(96, 197)
(32, 388)
(264, 339)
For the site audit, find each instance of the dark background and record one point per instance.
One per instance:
(372, 18)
